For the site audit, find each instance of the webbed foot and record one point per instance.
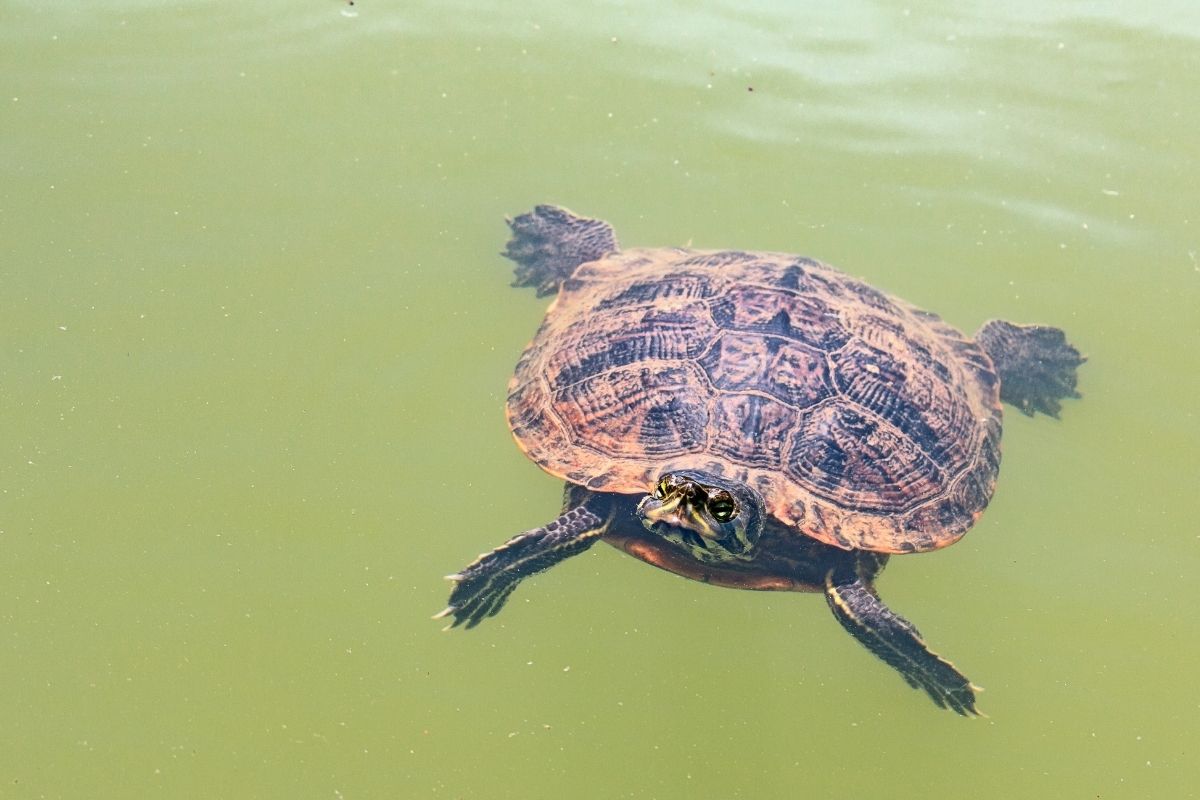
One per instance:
(898, 643)
(482, 589)
(1036, 365)
(549, 242)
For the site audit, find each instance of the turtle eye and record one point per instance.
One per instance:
(660, 491)
(722, 508)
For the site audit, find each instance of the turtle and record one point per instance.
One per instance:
(756, 420)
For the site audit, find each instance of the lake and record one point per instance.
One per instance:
(254, 349)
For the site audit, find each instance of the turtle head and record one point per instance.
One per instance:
(713, 518)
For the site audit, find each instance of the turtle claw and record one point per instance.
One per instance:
(477, 596)
(481, 590)
(898, 643)
(463, 618)
(475, 609)
(445, 612)
(484, 586)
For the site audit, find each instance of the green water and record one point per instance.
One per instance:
(254, 340)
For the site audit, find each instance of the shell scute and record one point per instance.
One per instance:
(632, 336)
(751, 429)
(636, 412)
(657, 289)
(863, 463)
(783, 313)
(790, 371)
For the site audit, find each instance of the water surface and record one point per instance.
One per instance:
(254, 347)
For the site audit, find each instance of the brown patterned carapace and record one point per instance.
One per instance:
(864, 422)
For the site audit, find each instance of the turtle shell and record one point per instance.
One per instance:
(863, 421)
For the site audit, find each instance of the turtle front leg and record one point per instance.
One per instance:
(899, 644)
(481, 589)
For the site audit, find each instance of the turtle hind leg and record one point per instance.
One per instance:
(482, 589)
(549, 242)
(1036, 364)
(897, 642)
